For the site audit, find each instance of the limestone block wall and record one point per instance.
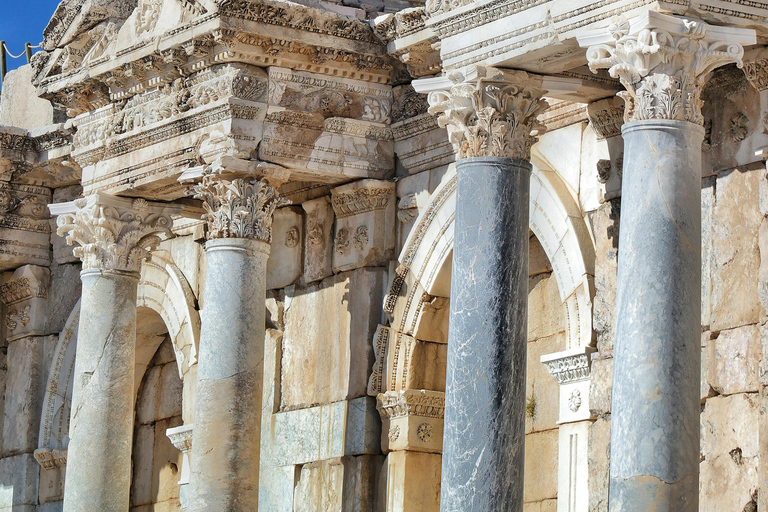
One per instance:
(733, 198)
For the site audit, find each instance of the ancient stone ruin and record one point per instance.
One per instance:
(382, 256)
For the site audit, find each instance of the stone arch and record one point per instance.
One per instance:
(421, 286)
(162, 289)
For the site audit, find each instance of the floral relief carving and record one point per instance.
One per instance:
(394, 433)
(292, 237)
(18, 318)
(663, 70)
(238, 208)
(342, 241)
(739, 127)
(361, 237)
(114, 235)
(574, 401)
(494, 115)
(424, 431)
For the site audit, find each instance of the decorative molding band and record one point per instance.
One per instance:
(181, 437)
(51, 458)
(411, 402)
(238, 208)
(361, 197)
(492, 115)
(571, 365)
(606, 117)
(113, 234)
(663, 62)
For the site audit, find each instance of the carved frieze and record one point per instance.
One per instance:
(493, 114)
(663, 62)
(25, 297)
(112, 233)
(238, 208)
(24, 227)
(412, 420)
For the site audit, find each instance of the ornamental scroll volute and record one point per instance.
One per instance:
(491, 115)
(663, 62)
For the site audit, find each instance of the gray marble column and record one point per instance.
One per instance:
(484, 429)
(114, 235)
(226, 438)
(655, 403)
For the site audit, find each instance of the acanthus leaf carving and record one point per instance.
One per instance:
(663, 65)
(492, 115)
(238, 208)
(113, 234)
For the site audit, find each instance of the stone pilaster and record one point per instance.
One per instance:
(491, 122)
(226, 443)
(663, 62)
(114, 236)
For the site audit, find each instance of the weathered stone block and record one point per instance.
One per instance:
(318, 254)
(734, 359)
(21, 106)
(541, 386)
(730, 451)
(327, 355)
(601, 384)
(598, 460)
(25, 297)
(284, 265)
(414, 481)
(412, 420)
(546, 314)
(412, 197)
(544, 466)
(327, 431)
(348, 484)
(23, 396)
(63, 294)
(707, 207)
(735, 252)
(24, 225)
(19, 476)
(365, 224)
(606, 229)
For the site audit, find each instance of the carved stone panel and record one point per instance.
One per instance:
(284, 265)
(318, 259)
(25, 297)
(412, 420)
(365, 224)
(24, 227)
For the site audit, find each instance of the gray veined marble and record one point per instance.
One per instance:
(655, 412)
(484, 440)
(225, 448)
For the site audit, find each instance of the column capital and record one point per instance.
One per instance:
(113, 233)
(491, 112)
(663, 62)
(238, 207)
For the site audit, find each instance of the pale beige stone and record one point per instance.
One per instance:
(415, 481)
(730, 450)
(707, 222)
(345, 484)
(601, 384)
(546, 313)
(327, 354)
(735, 252)
(599, 457)
(23, 396)
(318, 256)
(543, 464)
(541, 387)
(20, 105)
(284, 265)
(606, 228)
(734, 359)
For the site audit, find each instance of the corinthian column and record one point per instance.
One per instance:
(490, 120)
(225, 444)
(663, 62)
(115, 236)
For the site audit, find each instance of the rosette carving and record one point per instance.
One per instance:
(114, 234)
(493, 115)
(663, 69)
(238, 208)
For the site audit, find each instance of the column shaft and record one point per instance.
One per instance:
(225, 448)
(484, 441)
(655, 410)
(101, 424)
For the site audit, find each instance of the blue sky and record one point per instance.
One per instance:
(23, 21)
